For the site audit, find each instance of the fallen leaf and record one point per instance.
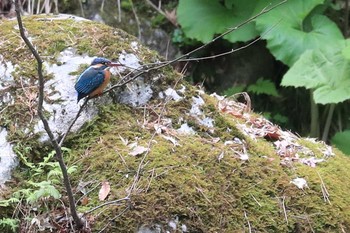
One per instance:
(104, 191)
(299, 182)
(132, 145)
(171, 139)
(243, 156)
(138, 150)
(84, 201)
(311, 161)
(221, 156)
(171, 16)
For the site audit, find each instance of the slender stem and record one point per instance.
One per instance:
(314, 124)
(73, 122)
(107, 203)
(328, 122)
(54, 143)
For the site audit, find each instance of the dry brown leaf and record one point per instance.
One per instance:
(104, 191)
(84, 201)
(171, 16)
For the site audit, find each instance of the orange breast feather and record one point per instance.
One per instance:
(99, 90)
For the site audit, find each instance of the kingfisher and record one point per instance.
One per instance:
(95, 78)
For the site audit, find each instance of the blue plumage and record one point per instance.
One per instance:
(100, 60)
(95, 78)
(89, 81)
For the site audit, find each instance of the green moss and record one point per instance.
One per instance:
(207, 195)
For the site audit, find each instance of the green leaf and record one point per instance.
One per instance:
(203, 19)
(324, 70)
(46, 189)
(263, 86)
(341, 141)
(8, 202)
(346, 52)
(294, 30)
(55, 173)
(72, 169)
(10, 223)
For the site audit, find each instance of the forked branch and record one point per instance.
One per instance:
(57, 147)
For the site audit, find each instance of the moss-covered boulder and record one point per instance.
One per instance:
(180, 161)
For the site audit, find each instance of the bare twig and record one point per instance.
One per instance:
(119, 11)
(53, 141)
(73, 122)
(166, 14)
(147, 70)
(107, 203)
(158, 9)
(66, 215)
(284, 209)
(205, 196)
(233, 50)
(136, 18)
(89, 191)
(150, 180)
(249, 226)
(328, 123)
(255, 200)
(324, 190)
(81, 8)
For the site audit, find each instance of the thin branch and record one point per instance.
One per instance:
(73, 122)
(158, 9)
(328, 122)
(107, 203)
(119, 11)
(314, 117)
(136, 18)
(324, 190)
(249, 226)
(284, 209)
(165, 14)
(232, 50)
(256, 200)
(128, 80)
(89, 191)
(54, 143)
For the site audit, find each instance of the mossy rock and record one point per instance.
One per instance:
(197, 181)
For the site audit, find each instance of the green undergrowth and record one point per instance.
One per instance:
(190, 182)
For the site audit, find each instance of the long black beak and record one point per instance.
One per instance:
(114, 64)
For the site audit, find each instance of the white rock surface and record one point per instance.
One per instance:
(8, 159)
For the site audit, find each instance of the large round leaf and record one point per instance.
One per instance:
(341, 140)
(292, 32)
(325, 70)
(203, 19)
